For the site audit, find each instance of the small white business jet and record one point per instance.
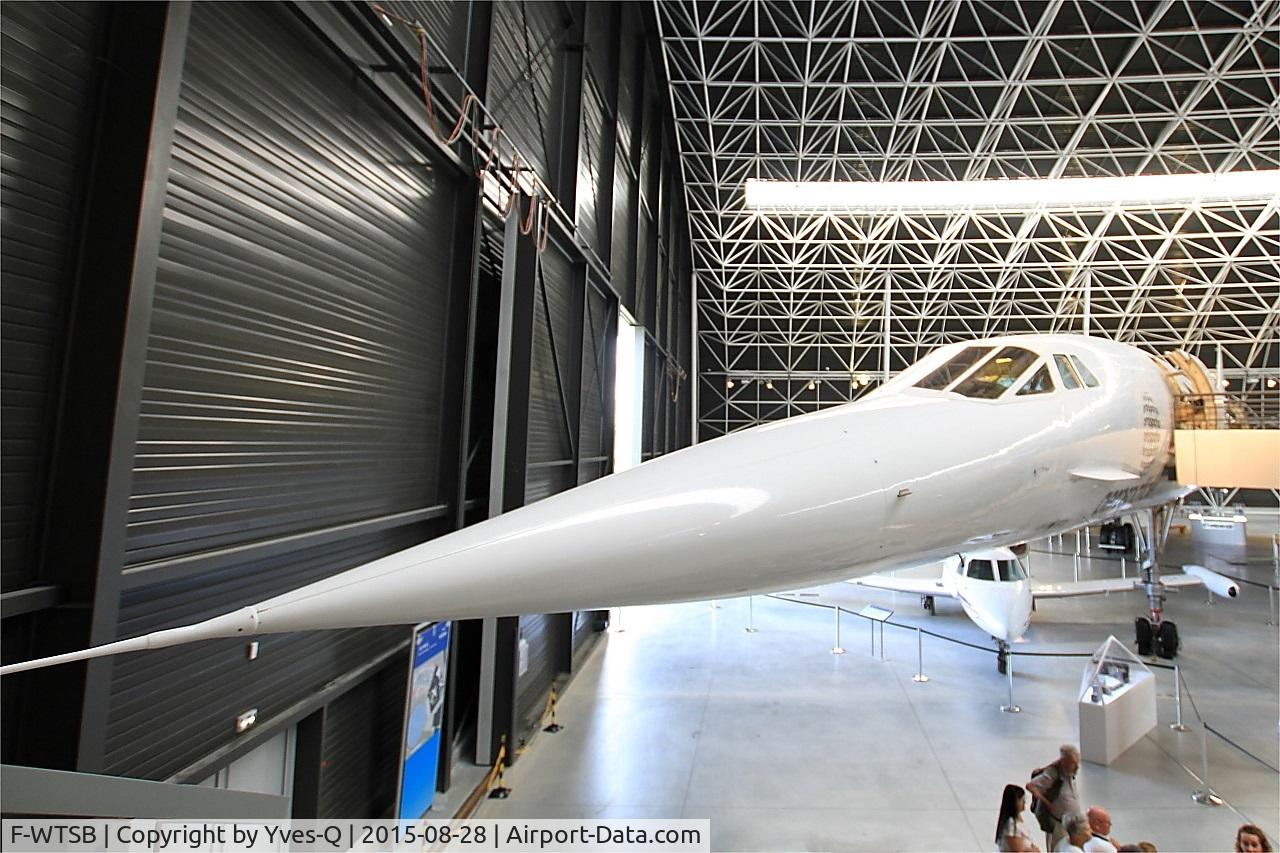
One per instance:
(997, 595)
(978, 445)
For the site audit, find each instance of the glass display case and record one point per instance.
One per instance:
(1117, 702)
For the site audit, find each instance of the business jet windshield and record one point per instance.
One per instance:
(992, 570)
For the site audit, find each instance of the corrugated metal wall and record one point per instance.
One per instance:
(293, 374)
(50, 89)
(361, 747)
(554, 379)
(301, 346)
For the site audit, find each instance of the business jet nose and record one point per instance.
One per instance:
(1003, 610)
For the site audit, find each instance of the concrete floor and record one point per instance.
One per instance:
(785, 746)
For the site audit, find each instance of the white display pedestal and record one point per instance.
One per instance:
(1123, 717)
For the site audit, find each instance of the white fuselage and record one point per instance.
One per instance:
(993, 589)
(903, 476)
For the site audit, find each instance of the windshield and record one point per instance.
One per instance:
(1011, 570)
(981, 570)
(997, 374)
(953, 369)
(1039, 383)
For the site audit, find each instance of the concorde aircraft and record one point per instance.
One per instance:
(978, 445)
(997, 595)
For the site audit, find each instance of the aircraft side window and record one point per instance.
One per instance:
(1069, 379)
(997, 374)
(981, 570)
(1039, 383)
(953, 369)
(1085, 374)
(1011, 570)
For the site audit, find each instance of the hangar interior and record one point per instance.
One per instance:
(289, 287)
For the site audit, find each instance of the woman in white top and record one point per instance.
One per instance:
(1010, 835)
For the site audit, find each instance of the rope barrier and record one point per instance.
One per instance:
(1241, 748)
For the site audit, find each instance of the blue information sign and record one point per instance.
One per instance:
(420, 750)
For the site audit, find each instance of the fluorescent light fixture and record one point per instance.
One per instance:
(1019, 194)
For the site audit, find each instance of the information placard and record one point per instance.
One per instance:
(424, 708)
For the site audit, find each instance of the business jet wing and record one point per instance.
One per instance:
(915, 586)
(1191, 576)
(1072, 589)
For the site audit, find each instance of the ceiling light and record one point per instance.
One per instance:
(1017, 194)
(813, 385)
(1272, 383)
(728, 383)
(769, 384)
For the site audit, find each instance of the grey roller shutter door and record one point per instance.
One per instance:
(361, 747)
(293, 376)
(294, 365)
(50, 91)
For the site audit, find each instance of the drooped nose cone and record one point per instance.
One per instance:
(1003, 610)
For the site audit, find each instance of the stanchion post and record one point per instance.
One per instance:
(554, 726)
(872, 626)
(837, 649)
(919, 677)
(1177, 692)
(1124, 572)
(620, 629)
(751, 615)
(881, 641)
(1271, 603)
(1205, 795)
(1008, 668)
(500, 791)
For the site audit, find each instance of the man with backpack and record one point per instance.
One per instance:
(1053, 788)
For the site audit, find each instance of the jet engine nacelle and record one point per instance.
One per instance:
(1217, 584)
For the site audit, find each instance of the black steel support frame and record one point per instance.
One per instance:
(460, 371)
(510, 449)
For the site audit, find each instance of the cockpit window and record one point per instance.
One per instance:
(1069, 379)
(1039, 383)
(953, 369)
(981, 570)
(1011, 570)
(1084, 372)
(997, 374)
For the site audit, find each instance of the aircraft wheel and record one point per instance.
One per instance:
(928, 605)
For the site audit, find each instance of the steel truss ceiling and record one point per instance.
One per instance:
(795, 309)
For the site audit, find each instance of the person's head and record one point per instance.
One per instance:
(1099, 820)
(1069, 758)
(1147, 847)
(1012, 801)
(1251, 839)
(1077, 826)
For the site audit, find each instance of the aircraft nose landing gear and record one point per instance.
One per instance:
(926, 601)
(1002, 657)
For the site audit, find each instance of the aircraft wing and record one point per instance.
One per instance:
(1191, 576)
(1072, 589)
(916, 586)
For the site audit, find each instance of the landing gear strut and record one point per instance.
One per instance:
(926, 601)
(1153, 636)
(1002, 657)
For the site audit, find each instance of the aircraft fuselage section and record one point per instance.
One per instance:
(904, 475)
